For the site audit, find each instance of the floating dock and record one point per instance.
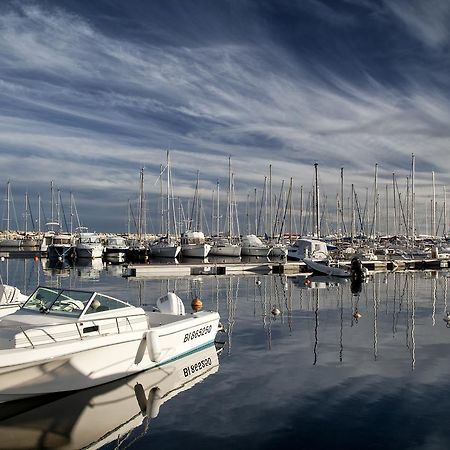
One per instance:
(267, 267)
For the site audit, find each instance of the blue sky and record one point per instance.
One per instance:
(92, 91)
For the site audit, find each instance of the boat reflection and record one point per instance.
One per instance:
(94, 417)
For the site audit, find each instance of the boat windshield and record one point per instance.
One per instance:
(58, 301)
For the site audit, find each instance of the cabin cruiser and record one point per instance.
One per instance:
(61, 247)
(116, 248)
(89, 245)
(63, 339)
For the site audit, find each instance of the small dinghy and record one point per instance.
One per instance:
(322, 268)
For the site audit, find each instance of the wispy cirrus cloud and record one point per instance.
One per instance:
(86, 99)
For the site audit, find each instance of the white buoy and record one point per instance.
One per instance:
(258, 282)
(275, 311)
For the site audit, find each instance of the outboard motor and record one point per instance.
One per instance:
(357, 269)
(170, 304)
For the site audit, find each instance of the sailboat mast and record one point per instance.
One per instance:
(217, 208)
(168, 195)
(229, 198)
(26, 212)
(413, 198)
(270, 199)
(317, 225)
(8, 200)
(445, 213)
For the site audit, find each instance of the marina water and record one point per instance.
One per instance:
(307, 363)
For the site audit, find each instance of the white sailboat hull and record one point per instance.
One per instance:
(195, 250)
(165, 251)
(226, 250)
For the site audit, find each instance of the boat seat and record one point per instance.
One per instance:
(102, 308)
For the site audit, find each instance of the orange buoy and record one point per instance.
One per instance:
(196, 304)
(36, 258)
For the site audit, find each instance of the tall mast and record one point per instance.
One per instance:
(445, 213)
(375, 201)
(161, 200)
(394, 202)
(168, 195)
(270, 200)
(301, 211)
(317, 225)
(52, 200)
(39, 213)
(413, 198)
(352, 225)
(8, 200)
(230, 219)
(433, 206)
(217, 208)
(344, 231)
(26, 212)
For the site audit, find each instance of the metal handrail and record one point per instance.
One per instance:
(78, 326)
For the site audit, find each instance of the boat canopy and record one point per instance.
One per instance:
(71, 302)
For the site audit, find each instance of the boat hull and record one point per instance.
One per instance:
(226, 250)
(195, 250)
(255, 251)
(91, 361)
(165, 251)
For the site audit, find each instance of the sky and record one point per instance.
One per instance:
(93, 91)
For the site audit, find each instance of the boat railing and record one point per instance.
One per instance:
(34, 337)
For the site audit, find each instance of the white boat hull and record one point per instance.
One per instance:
(226, 250)
(255, 251)
(84, 251)
(93, 360)
(195, 250)
(332, 271)
(165, 251)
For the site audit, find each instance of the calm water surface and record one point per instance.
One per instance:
(313, 377)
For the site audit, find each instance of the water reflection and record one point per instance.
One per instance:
(120, 411)
(344, 360)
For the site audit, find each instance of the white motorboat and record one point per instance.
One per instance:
(61, 246)
(62, 340)
(328, 269)
(89, 245)
(11, 299)
(253, 246)
(116, 248)
(116, 408)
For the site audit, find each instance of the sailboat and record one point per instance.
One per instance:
(193, 242)
(223, 246)
(165, 246)
(10, 240)
(137, 249)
